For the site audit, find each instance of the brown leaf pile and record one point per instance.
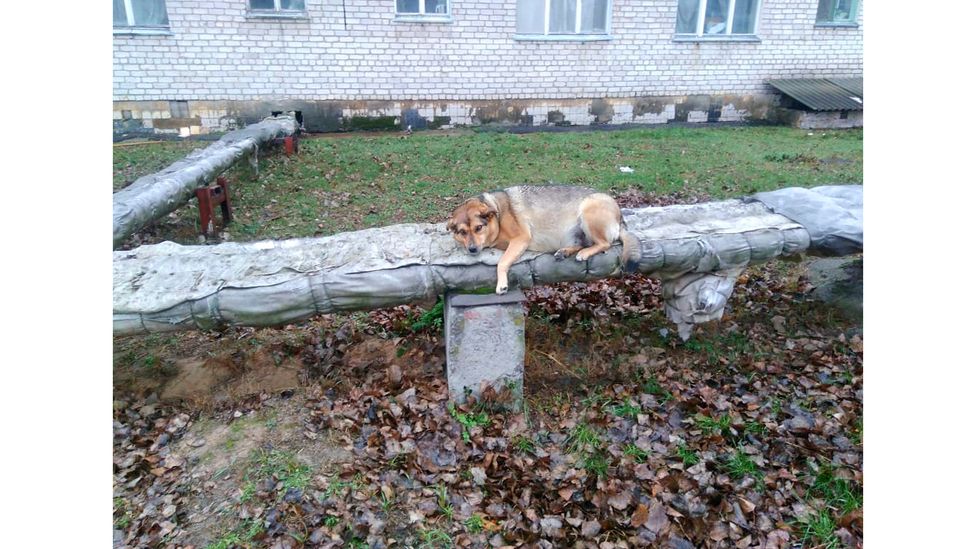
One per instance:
(722, 441)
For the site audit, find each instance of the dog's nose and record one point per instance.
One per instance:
(473, 249)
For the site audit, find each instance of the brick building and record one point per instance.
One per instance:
(191, 67)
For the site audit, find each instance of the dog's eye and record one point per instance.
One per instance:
(462, 232)
(478, 228)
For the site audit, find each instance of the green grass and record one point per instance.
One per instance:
(837, 493)
(819, 526)
(444, 505)
(722, 425)
(728, 346)
(352, 183)
(123, 515)
(583, 439)
(524, 444)
(280, 465)
(640, 456)
(338, 487)
(240, 536)
(474, 524)
(739, 465)
(596, 464)
(134, 161)
(688, 457)
(434, 318)
(756, 428)
(468, 420)
(627, 410)
(651, 386)
(434, 538)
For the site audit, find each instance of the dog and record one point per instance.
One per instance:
(561, 219)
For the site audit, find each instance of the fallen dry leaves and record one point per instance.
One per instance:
(734, 439)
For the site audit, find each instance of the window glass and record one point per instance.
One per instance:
(435, 6)
(262, 4)
(530, 16)
(149, 13)
(562, 16)
(744, 21)
(837, 11)
(716, 16)
(687, 17)
(118, 13)
(594, 19)
(407, 6)
(298, 5)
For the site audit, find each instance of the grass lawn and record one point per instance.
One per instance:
(343, 183)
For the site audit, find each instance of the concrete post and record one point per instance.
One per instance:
(485, 340)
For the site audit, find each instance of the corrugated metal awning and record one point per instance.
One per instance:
(824, 94)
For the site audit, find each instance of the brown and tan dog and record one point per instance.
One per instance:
(552, 218)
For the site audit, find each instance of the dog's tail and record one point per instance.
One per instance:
(631, 255)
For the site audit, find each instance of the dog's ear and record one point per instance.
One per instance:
(451, 225)
(488, 212)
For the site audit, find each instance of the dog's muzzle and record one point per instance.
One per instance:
(473, 249)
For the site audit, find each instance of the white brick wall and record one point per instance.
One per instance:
(216, 53)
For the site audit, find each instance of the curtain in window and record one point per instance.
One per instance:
(435, 6)
(843, 10)
(562, 16)
(687, 17)
(530, 16)
(118, 13)
(149, 13)
(594, 20)
(716, 16)
(744, 21)
(408, 6)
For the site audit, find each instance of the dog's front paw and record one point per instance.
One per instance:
(501, 290)
(559, 255)
(581, 257)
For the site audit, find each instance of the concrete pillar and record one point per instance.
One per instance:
(485, 340)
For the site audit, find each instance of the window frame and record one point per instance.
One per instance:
(422, 16)
(569, 37)
(131, 28)
(727, 36)
(277, 12)
(855, 6)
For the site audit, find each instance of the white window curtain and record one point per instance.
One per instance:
(717, 17)
(687, 17)
(421, 7)
(282, 5)
(139, 13)
(530, 16)
(565, 17)
(837, 11)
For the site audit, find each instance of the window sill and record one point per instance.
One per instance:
(716, 38)
(141, 31)
(563, 37)
(839, 24)
(426, 18)
(297, 16)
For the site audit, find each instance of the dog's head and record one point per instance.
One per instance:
(474, 225)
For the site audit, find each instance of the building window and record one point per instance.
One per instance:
(837, 12)
(717, 18)
(277, 8)
(562, 18)
(423, 10)
(139, 14)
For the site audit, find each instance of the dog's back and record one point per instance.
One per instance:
(550, 212)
